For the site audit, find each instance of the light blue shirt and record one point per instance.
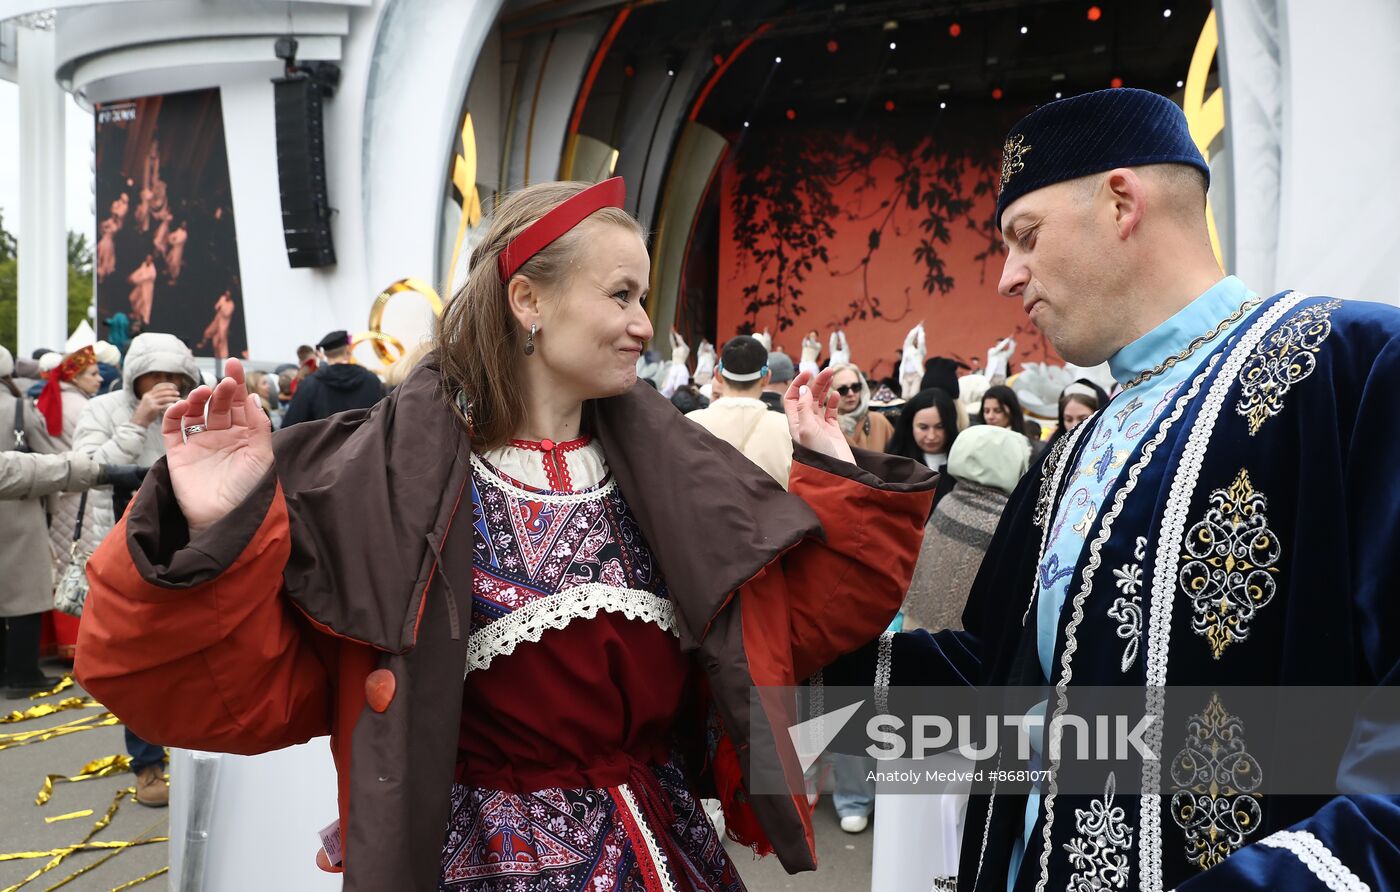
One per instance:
(1118, 431)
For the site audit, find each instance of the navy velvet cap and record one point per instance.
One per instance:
(1088, 134)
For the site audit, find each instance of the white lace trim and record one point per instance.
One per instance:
(1164, 583)
(578, 498)
(658, 857)
(1120, 498)
(1318, 858)
(884, 664)
(500, 637)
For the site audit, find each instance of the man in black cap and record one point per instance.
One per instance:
(336, 386)
(1228, 517)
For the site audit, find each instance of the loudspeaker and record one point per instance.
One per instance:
(301, 169)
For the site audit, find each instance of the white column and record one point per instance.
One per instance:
(43, 238)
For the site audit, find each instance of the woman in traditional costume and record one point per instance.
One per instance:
(489, 591)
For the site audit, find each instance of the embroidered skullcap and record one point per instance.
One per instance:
(1092, 133)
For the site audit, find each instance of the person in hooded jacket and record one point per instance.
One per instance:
(338, 385)
(488, 589)
(123, 428)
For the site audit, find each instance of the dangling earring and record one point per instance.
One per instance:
(530, 341)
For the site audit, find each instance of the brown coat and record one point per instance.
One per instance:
(193, 642)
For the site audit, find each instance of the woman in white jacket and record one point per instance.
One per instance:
(123, 427)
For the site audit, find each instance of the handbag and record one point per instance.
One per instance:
(73, 585)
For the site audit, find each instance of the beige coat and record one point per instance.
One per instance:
(63, 507)
(750, 427)
(26, 585)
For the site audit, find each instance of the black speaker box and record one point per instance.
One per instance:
(301, 169)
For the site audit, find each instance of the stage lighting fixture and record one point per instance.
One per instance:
(942, 105)
(670, 72)
(746, 124)
(1025, 30)
(889, 105)
(832, 46)
(997, 93)
(1116, 83)
(717, 59)
(777, 60)
(1058, 94)
(1094, 14)
(891, 44)
(792, 114)
(1167, 13)
(954, 29)
(1180, 84)
(891, 25)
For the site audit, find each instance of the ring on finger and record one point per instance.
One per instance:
(191, 430)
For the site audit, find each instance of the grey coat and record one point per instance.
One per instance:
(26, 585)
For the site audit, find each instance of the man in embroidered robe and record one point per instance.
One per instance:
(1228, 518)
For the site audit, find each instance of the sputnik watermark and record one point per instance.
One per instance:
(1110, 736)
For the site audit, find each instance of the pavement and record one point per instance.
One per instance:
(22, 825)
(844, 858)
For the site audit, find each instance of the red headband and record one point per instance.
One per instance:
(573, 211)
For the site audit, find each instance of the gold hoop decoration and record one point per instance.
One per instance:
(464, 181)
(1205, 115)
(376, 315)
(381, 342)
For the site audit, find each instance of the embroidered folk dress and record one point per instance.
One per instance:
(573, 684)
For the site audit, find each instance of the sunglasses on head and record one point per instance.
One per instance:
(847, 389)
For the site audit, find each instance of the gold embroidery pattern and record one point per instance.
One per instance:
(1230, 564)
(1013, 156)
(1286, 357)
(1214, 782)
(1099, 853)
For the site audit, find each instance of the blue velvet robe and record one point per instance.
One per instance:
(1253, 538)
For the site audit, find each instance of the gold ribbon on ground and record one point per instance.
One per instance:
(144, 838)
(63, 685)
(104, 767)
(139, 880)
(43, 709)
(68, 817)
(39, 735)
(61, 854)
(101, 845)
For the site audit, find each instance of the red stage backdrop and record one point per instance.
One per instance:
(824, 231)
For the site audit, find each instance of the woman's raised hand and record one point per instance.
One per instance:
(218, 443)
(810, 406)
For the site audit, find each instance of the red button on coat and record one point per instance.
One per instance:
(379, 689)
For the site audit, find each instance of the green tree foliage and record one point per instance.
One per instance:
(79, 283)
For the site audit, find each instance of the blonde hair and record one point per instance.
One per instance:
(398, 370)
(479, 341)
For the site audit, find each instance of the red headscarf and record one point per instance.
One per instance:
(50, 401)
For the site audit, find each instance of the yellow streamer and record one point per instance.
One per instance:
(62, 854)
(139, 880)
(86, 723)
(116, 850)
(68, 817)
(104, 767)
(99, 846)
(63, 685)
(43, 709)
